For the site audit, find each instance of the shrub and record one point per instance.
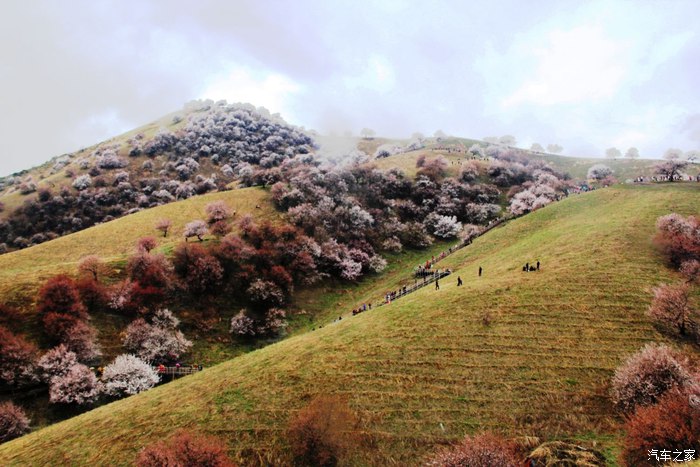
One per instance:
(185, 449)
(265, 294)
(60, 295)
(243, 325)
(56, 325)
(204, 274)
(13, 422)
(155, 343)
(81, 338)
(146, 244)
(671, 307)
(149, 269)
(93, 294)
(678, 237)
(82, 182)
(599, 172)
(218, 211)
(91, 265)
(690, 270)
(648, 375)
(128, 375)
(443, 226)
(16, 359)
(56, 362)
(483, 450)
(164, 226)
(197, 229)
(322, 432)
(78, 386)
(673, 425)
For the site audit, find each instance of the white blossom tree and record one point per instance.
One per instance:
(128, 375)
(599, 172)
(197, 228)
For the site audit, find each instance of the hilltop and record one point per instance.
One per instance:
(427, 369)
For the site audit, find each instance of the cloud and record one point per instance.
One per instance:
(578, 65)
(273, 91)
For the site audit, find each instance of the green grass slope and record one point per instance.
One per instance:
(23, 271)
(426, 369)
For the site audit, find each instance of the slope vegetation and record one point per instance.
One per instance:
(427, 368)
(23, 271)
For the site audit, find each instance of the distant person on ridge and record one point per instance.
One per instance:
(459, 281)
(437, 285)
(538, 264)
(480, 270)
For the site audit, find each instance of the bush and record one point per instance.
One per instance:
(678, 237)
(673, 425)
(671, 307)
(56, 362)
(484, 450)
(322, 432)
(243, 325)
(56, 325)
(158, 342)
(91, 265)
(146, 244)
(128, 375)
(197, 229)
(13, 422)
(82, 339)
(218, 211)
(93, 294)
(164, 226)
(185, 449)
(599, 172)
(78, 386)
(265, 294)
(648, 375)
(60, 295)
(16, 359)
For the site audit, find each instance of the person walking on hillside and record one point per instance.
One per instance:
(538, 264)
(459, 281)
(437, 284)
(480, 270)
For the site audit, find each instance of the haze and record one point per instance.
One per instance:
(584, 75)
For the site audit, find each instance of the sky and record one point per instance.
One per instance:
(585, 75)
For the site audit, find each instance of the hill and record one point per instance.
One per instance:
(198, 150)
(427, 369)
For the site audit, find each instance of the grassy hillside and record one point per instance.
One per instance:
(577, 167)
(426, 369)
(23, 271)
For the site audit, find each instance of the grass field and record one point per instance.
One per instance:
(21, 272)
(426, 369)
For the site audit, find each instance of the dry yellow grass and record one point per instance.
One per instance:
(426, 369)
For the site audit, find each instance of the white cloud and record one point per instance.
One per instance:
(579, 65)
(273, 91)
(376, 74)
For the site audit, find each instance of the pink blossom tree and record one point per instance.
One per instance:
(79, 386)
(648, 375)
(671, 306)
(13, 422)
(56, 362)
